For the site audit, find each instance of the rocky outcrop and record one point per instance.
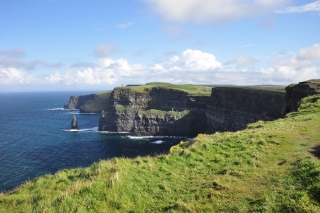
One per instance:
(92, 103)
(74, 123)
(77, 101)
(231, 109)
(145, 111)
(295, 92)
(154, 111)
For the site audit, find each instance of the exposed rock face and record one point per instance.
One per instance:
(295, 92)
(231, 109)
(154, 111)
(74, 123)
(77, 101)
(97, 104)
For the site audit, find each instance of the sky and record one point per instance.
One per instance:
(57, 45)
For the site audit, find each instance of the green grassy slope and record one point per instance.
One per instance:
(188, 88)
(99, 103)
(265, 168)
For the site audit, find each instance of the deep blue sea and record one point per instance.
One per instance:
(35, 138)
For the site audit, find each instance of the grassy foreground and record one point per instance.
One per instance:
(265, 168)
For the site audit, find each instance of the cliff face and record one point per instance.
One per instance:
(296, 92)
(231, 109)
(154, 111)
(77, 101)
(92, 103)
(145, 111)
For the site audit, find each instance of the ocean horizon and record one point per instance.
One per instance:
(35, 138)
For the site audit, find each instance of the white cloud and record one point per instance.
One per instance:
(190, 66)
(123, 26)
(302, 66)
(104, 50)
(310, 53)
(196, 60)
(212, 12)
(14, 76)
(313, 6)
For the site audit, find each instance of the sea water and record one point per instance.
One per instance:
(35, 138)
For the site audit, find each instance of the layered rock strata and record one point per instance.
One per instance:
(231, 109)
(154, 111)
(77, 101)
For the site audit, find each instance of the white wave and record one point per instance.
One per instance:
(63, 109)
(145, 137)
(158, 142)
(93, 129)
(80, 113)
(109, 132)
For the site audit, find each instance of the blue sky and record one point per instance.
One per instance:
(97, 45)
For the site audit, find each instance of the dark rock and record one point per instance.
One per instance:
(131, 111)
(74, 123)
(77, 101)
(231, 109)
(295, 92)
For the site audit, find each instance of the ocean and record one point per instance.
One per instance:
(35, 138)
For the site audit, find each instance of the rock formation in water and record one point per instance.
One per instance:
(74, 123)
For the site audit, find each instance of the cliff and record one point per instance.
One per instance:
(92, 103)
(231, 109)
(77, 101)
(295, 92)
(154, 111)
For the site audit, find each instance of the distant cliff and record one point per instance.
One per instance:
(154, 111)
(92, 103)
(77, 101)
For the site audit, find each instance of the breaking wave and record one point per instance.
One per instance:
(93, 129)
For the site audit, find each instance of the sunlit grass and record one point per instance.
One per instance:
(265, 168)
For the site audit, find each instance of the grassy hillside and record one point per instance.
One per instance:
(188, 88)
(99, 103)
(265, 168)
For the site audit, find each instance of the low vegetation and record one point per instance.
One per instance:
(98, 104)
(188, 88)
(177, 114)
(265, 168)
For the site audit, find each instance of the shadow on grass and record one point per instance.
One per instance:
(315, 151)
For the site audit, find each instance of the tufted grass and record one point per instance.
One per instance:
(264, 168)
(187, 88)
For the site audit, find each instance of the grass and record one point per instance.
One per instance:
(177, 114)
(264, 168)
(188, 88)
(99, 102)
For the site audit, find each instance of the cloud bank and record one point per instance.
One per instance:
(190, 66)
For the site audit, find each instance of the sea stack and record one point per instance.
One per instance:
(74, 123)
